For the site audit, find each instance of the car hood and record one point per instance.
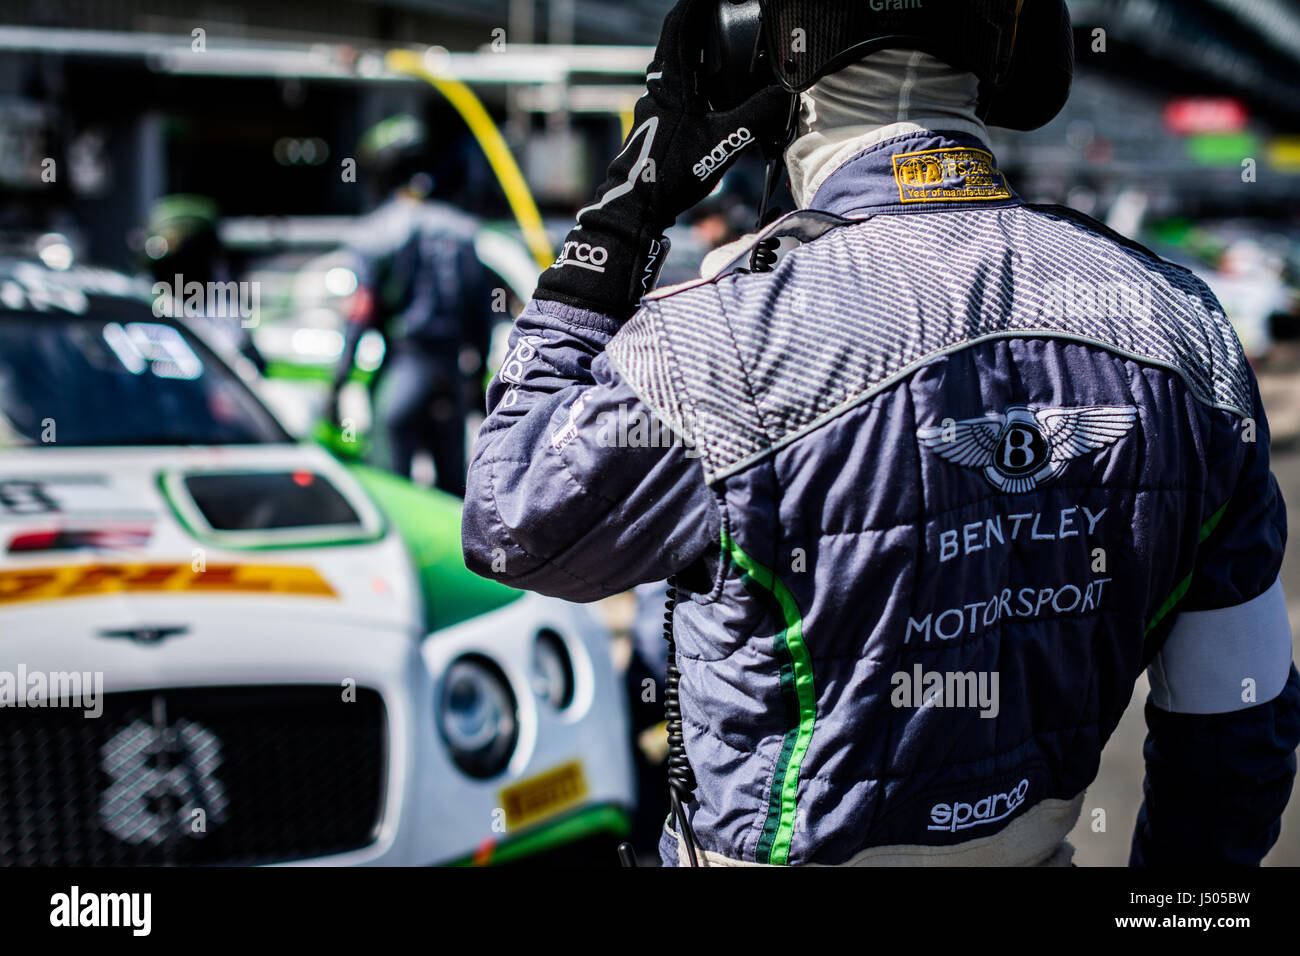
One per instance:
(133, 643)
(114, 537)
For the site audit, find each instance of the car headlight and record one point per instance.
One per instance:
(477, 716)
(552, 670)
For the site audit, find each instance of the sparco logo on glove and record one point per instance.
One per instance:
(584, 256)
(719, 155)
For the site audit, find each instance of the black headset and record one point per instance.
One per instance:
(1026, 74)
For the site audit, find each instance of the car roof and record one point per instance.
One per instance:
(28, 285)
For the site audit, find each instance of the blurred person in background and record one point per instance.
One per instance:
(422, 286)
(181, 243)
(930, 510)
(728, 213)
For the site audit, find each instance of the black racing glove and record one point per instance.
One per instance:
(673, 158)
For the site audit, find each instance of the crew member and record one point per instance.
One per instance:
(934, 497)
(181, 243)
(423, 287)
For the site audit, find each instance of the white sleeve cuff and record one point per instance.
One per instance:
(1218, 662)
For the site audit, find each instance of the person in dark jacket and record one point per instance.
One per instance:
(423, 287)
(936, 489)
(181, 243)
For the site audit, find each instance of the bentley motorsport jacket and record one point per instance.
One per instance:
(939, 489)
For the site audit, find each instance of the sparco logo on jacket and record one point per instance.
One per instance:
(722, 152)
(1024, 448)
(952, 817)
(583, 255)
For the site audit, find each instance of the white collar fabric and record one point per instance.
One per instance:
(888, 94)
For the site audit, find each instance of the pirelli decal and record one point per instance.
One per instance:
(49, 584)
(957, 174)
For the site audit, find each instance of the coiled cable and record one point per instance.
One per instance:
(765, 253)
(681, 778)
(764, 256)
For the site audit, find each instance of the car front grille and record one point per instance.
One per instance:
(193, 776)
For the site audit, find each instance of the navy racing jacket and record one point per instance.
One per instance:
(938, 489)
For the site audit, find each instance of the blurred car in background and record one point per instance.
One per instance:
(1251, 266)
(296, 666)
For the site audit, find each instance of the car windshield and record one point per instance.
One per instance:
(119, 376)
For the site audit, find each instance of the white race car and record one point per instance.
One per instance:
(220, 647)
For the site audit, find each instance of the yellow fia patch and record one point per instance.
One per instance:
(956, 174)
(47, 584)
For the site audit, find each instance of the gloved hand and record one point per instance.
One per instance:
(674, 157)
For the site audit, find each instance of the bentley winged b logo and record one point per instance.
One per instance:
(1023, 449)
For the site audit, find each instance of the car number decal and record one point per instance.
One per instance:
(26, 498)
(130, 807)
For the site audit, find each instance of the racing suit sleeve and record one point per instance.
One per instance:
(1223, 716)
(575, 491)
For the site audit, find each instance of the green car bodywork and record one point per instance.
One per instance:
(429, 522)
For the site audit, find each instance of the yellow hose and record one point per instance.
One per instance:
(494, 147)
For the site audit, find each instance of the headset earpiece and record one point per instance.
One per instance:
(736, 64)
(1022, 50)
(1042, 69)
